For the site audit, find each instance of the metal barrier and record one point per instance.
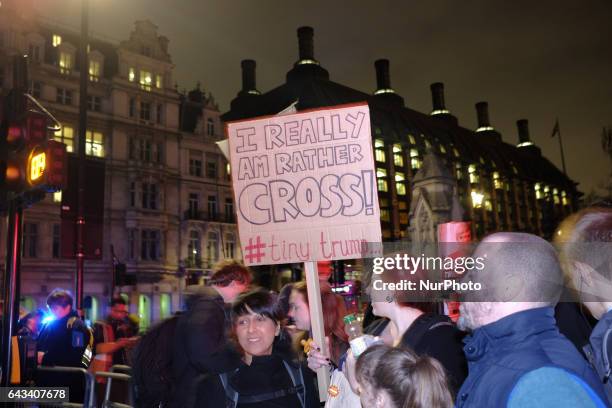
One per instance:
(89, 401)
(114, 374)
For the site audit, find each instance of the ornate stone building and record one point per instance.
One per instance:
(163, 191)
(501, 186)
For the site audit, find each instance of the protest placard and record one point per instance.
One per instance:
(305, 185)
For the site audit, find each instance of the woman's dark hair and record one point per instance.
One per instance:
(282, 303)
(410, 381)
(263, 302)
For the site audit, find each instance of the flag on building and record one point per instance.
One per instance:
(555, 131)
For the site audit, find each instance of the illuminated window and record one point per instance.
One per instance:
(65, 62)
(398, 158)
(427, 144)
(385, 215)
(57, 40)
(94, 70)
(415, 162)
(412, 140)
(381, 175)
(95, 144)
(400, 183)
(538, 191)
(488, 205)
(158, 81)
(228, 169)
(564, 199)
(146, 80)
(473, 175)
(477, 199)
(65, 135)
(497, 183)
(442, 149)
(194, 248)
(455, 152)
(379, 150)
(458, 171)
(132, 74)
(57, 197)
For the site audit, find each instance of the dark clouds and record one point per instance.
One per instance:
(528, 59)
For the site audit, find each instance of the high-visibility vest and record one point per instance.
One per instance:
(103, 361)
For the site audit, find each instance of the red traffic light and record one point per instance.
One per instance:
(56, 166)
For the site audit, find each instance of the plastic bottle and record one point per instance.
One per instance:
(357, 340)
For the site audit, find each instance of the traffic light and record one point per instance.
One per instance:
(32, 162)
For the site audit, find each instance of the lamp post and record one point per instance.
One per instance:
(80, 220)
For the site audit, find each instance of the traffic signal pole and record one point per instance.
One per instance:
(80, 221)
(13, 110)
(11, 286)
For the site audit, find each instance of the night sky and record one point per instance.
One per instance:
(529, 59)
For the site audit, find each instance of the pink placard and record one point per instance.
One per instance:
(305, 185)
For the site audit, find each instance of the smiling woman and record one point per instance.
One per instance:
(267, 375)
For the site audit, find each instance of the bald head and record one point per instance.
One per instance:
(521, 271)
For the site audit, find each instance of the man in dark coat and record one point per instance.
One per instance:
(201, 332)
(516, 355)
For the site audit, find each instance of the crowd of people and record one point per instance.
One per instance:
(514, 345)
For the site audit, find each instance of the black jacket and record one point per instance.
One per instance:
(199, 339)
(438, 337)
(66, 342)
(266, 374)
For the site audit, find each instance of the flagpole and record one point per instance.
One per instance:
(561, 148)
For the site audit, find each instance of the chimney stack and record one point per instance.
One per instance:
(306, 43)
(248, 75)
(523, 131)
(383, 78)
(437, 97)
(482, 111)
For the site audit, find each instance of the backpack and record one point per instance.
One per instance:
(601, 359)
(297, 379)
(152, 366)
